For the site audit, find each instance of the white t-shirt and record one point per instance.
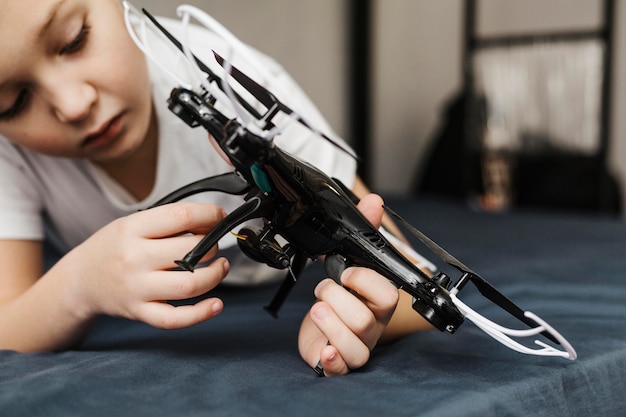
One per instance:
(66, 200)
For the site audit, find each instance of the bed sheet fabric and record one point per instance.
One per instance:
(569, 269)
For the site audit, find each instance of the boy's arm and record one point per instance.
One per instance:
(36, 312)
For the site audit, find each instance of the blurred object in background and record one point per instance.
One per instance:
(532, 122)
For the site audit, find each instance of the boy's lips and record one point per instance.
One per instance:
(104, 134)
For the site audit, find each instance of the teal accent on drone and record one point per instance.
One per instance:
(260, 178)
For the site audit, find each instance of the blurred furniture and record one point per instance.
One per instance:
(245, 363)
(531, 126)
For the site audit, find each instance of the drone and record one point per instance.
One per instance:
(306, 215)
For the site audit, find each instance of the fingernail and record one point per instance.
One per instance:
(345, 276)
(321, 313)
(318, 287)
(216, 307)
(226, 266)
(347, 273)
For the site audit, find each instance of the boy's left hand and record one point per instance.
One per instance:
(344, 325)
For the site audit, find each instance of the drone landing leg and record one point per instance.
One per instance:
(299, 262)
(251, 209)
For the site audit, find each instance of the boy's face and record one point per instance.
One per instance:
(72, 83)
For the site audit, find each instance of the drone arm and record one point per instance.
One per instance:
(229, 183)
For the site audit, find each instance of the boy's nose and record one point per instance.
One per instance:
(72, 101)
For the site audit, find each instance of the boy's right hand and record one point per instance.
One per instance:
(126, 268)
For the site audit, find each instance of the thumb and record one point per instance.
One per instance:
(371, 206)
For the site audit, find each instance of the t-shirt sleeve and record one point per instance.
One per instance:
(20, 198)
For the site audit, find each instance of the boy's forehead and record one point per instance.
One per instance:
(26, 7)
(22, 24)
(29, 14)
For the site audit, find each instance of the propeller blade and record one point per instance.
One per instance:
(210, 74)
(492, 294)
(430, 244)
(176, 42)
(272, 103)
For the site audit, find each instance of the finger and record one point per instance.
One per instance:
(167, 316)
(377, 293)
(181, 285)
(354, 315)
(371, 206)
(174, 219)
(331, 362)
(354, 353)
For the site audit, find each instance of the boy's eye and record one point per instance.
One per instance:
(18, 107)
(77, 43)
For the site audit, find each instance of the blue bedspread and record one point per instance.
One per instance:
(569, 269)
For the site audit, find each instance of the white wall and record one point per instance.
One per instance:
(417, 67)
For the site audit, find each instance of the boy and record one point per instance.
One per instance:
(85, 142)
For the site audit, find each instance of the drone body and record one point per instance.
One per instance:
(311, 211)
